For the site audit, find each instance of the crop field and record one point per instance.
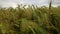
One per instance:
(31, 20)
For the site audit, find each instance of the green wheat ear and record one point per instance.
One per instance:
(50, 4)
(27, 26)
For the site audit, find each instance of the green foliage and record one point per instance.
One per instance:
(31, 20)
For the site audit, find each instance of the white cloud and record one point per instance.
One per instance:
(8, 3)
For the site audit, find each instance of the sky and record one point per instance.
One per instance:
(13, 3)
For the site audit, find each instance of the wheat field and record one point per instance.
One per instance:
(31, 20)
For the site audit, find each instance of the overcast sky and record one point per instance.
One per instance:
(13, 3)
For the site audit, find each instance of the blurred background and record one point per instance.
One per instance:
(29, 16)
